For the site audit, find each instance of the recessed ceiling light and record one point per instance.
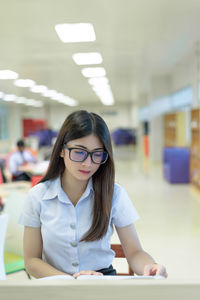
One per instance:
(8, 74)
(104, 93)
(38, 89)
(8, 97)
(24, 82)
(77, 32)
(93, 72)
(98, 81)
(49, 93)
(91, 58)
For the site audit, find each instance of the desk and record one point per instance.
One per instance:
(38, 168)
(100, 290)
(9, 188)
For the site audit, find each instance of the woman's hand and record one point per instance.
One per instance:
(87, 273)
(155, 269)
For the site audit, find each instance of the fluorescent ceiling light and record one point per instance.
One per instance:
(104, 93)
(91, 58)
(8, 97)
(1, 94)
(58, 97)
(24, 82)
(69, 101)
(8, 74)
(65, 99)
(98, 81)
(38, 89)
(93, 72)
(21, 100)
(49, 93)
(77, 32)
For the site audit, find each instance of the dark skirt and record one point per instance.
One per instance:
(108, 271)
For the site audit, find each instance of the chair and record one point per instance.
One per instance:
(176, 164)
(1, 176)
(119, 252)
(3, 230)
(35, 179)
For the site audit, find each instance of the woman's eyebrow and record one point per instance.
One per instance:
(100, 148)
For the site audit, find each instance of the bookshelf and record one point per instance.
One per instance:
(175, 130)
(170, 130)
(195, 148)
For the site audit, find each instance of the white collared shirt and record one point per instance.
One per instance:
(17, 159)
(63, 225)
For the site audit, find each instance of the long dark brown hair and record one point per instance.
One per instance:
(77, 125)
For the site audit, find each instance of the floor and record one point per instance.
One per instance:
(169, 224)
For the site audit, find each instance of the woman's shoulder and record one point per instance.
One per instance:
(118, 188)
(41, 188)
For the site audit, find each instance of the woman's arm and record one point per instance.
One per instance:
(34, 264)
(139, 260)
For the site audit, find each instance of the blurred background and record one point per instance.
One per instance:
(137, 64)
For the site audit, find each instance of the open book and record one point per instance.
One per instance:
(98, 277)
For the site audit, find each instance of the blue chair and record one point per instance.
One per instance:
(176, 164)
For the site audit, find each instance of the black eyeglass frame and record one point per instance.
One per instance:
(88, 153)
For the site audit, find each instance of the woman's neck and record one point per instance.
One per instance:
(72, 187)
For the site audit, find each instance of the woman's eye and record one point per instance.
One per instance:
(80, 152)
(98, 154)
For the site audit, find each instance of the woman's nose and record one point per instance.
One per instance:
(88, 161)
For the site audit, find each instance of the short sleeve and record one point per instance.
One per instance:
(123, 212)
(30, 215)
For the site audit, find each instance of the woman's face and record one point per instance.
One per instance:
(82, 170)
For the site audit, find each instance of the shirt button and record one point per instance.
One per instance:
(73, 225)
(74, 244)
(75, 264)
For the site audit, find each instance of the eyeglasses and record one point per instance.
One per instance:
(79, 155)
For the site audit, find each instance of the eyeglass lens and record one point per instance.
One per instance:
(80, 155)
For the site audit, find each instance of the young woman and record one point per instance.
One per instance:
(69, 215)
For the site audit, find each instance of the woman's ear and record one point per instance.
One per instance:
(62, 153)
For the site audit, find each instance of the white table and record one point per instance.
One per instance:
(100, 290)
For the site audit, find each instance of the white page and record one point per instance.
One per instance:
(98, 277)
(57, 277)
(110, 277)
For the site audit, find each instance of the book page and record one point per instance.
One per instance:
(110, 277)
(98, 277)
(57, 277)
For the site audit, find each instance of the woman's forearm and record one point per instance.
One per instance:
(38, 268)
(139, 260)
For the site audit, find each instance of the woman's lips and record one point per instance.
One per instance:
(84, 172)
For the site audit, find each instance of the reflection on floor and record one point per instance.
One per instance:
(169, 225)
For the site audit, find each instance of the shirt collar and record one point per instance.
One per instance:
(54, 189)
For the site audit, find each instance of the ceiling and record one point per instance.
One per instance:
(138, 39)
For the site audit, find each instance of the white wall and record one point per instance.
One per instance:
(115, 117)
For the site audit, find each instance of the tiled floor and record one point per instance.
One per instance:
(169, 225)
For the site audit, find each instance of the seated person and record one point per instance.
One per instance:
(18, 159)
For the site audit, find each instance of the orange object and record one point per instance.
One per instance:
(119, 252)
(35, 179)
(1, 177)
(146, 145)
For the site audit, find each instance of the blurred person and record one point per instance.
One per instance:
(19, 159)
